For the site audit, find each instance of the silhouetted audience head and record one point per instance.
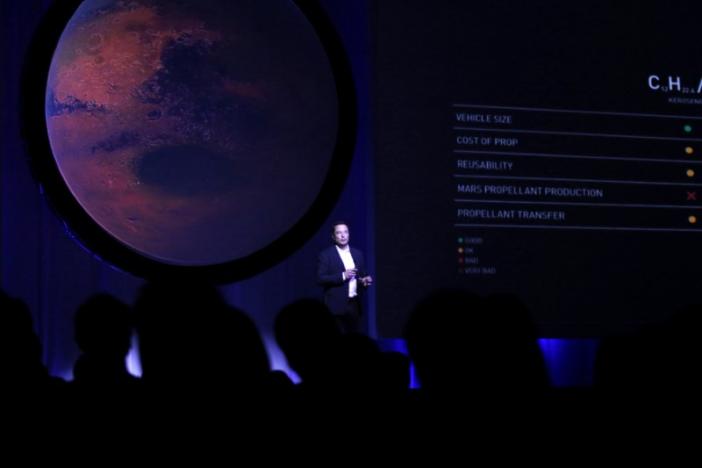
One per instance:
(461, 343)
(359, 363)
(395, 373)
(517, 351)
(170, 322)
(103, 332)
(103, 325)
(308, 335)
(20, 349)
(681, 350)
(622, 363)
(189, 337)
(16, 316)
(240, 347)
(661, 361)
(437, 334)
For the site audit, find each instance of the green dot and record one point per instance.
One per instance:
(687, 128)
(460, 240)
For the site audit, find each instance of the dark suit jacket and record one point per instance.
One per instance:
(329, 270)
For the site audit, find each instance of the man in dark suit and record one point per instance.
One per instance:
(341, 271)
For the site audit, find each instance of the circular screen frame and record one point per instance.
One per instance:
(84, 229)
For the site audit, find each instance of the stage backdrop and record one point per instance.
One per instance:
(41, 264)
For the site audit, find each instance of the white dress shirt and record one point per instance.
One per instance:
(346, 257)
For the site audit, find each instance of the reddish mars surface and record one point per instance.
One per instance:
(194, 136)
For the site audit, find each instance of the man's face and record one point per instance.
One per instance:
(341, 235)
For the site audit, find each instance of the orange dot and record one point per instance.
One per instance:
(689, 150)
(692, 219)
(460, 250)
(690, 173)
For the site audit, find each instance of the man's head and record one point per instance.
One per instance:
(340, 234)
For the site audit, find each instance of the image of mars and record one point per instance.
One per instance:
(196, 132)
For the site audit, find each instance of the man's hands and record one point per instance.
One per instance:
(352, 273)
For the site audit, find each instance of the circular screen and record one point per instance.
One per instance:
(192, 132)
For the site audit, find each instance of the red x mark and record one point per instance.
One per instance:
(692, 196)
